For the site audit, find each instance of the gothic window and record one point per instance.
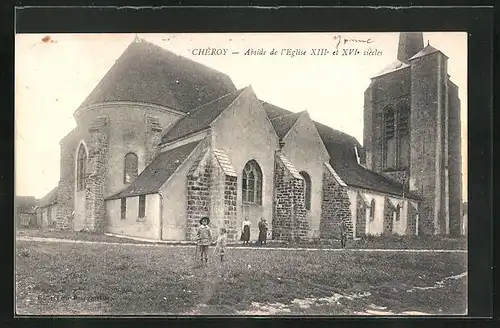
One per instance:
(372, 210)
(130, 172)
(252, 183)
(307, 190)
(404, 136)
(81, 168)
(389, 145)
(142, 206)
(123, 208)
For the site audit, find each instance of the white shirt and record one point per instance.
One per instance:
(246, 223)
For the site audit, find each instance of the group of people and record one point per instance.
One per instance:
(204, 237)
(245, 231)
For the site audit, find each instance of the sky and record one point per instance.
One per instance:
(55, 73)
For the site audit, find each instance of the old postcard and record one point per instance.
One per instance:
(241, 174)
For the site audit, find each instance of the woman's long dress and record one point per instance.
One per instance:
(245, 236)
(262, 232)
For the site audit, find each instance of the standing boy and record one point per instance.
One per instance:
(204, 238)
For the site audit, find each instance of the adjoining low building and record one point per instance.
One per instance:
(46, 212)
(25, 211)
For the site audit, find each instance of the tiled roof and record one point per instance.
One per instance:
(26, 204)
(335, 175)
(283, 124)
(424, 52)
(289, 166)
(157, 173)
(225, 163)
(274, 111)
(200, 118)
(392, 67)
(343, 160)
(49, 199)
(148, 73)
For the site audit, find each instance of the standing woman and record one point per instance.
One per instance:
(262, 231)
(245, 231)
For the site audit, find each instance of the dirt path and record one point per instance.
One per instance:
(60, 240)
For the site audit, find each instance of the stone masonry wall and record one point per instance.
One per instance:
(388, 217)
(230, 213)
(95, 218)
(360, 217)
(411, 222)
(153, 137)
(335, 208)
(65, 195)
(223, 195)
(289, 216)
(198, 197)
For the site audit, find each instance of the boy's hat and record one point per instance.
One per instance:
(205, 218)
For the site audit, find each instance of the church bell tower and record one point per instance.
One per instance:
(412, 131)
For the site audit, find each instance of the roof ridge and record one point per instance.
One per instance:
(286, 115)
(142, 40)
(215, 100)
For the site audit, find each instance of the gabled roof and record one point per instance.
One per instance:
(158, 172)
(274, 111)
(424, 52)
(49, 199)
(340, 147)
(283, 124)
(148, 73)
(392, 67)
(25, 203)
(200, 118)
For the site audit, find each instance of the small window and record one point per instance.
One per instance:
(142, 206)
(130, 172)
(372, 210)
(398, 212)
(123, 208)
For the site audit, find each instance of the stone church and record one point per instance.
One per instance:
(163, 140)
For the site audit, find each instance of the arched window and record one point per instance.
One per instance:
(404, 135)
(130, 172)
(372, 210)
(81, 168)
(307, 189)
(252, 183)
(389, 146)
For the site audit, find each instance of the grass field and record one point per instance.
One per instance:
(390, 242)
(86, 279)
